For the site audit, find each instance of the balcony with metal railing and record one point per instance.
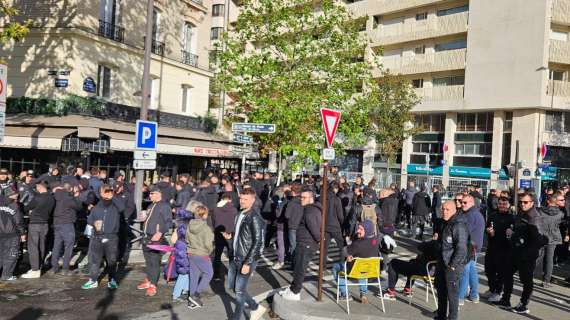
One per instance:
(189, 58)
(435, 26)
(111, 31)
(157, 47)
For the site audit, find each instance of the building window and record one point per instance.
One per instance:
(375, 22)
(104, 82)
(189, 38)
(473, 149)
(446, 12)
(109, 11)
(482, 122)
(420, 50)
(508, 124)
(452, 45)
(449, 81)
(155, 93)
(418, 83)
(215, 33)
(431, 122)
(155, 23)
(186, 98)
(218, 10)
(558, 35)
(558, 122)
(557, 75)
(421, 16)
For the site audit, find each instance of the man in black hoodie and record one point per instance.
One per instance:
(105, 218)
(308, 238)
(335, 221)
(40, 208)
(421, 206)
(223, 219)
(293, 214)
(67, 204)
(11, 233)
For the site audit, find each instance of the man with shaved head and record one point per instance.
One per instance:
(454, 255)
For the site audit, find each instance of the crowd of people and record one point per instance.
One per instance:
(222, 214)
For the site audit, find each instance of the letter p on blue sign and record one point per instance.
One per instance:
(146, 135)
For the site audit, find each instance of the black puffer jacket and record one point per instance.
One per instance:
(309, 231)
(526, 239)
(11, 220)
(454, 242)
(293, 213)
(251, 238)
(551, 217)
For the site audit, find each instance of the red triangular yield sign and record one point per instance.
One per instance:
(331, 118)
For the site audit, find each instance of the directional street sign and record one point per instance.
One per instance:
(328, 154)
(253, 127)
(144, 164)
(242, 138)
(145, 155)
(146, 135)
(331, 118)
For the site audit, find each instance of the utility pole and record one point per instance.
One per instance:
(517, 166)
(324, 204)
(145, 94)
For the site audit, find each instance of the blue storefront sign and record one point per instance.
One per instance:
(89, 85)
(548, 173)
(454, 171)
(423, 169)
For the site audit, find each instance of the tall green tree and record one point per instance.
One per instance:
(287, 59)
(12, 30)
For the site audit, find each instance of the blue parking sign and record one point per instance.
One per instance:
(146, 135)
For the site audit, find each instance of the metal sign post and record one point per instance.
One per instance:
(324, 205)
(240, 129)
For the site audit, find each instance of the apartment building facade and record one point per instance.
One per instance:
(488, 73)
(95, 48)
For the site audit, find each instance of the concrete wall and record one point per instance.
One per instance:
(506, 49)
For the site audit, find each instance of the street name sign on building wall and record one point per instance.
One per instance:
(253, 127)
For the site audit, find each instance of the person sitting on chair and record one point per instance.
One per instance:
(414, 267)
(365, 246)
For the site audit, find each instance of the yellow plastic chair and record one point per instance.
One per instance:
(428, 280)
(363, 268)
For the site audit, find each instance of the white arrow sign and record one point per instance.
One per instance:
(145, 155)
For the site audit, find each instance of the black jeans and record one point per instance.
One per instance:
(103, 246)
(152, 259)
(494, 260)
(220, 244)
(9, 250)
(545, 262)
(303, 255)
(447, 284)
(64, 235)
(406, 268)
(526, 271)
(337, 236)
(37, 244)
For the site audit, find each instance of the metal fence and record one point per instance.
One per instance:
(385, 179)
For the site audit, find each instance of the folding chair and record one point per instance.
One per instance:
(428, 280)
(363, 269)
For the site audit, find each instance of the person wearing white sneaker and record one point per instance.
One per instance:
(287, 294)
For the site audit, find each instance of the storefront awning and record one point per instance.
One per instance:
(35, 137)
(126, 142)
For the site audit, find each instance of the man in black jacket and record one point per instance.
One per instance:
(335, 221)
(308, 237)
(158, 222)
(421, 206)
(223, 219)
(498, 245)
(248, 240)
(454, 255)
(183, 195)
(389, 208)
(11, 233)
(435, 204)
(526, 243)
(40, 209)
(105, 218)
(67, 204)
(167, 190)
(293, 214)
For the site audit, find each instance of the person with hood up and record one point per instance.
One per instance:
(12, 231)
(223, 219)
(365, 245)
(200, 239)
(181, 262)
(421, 206)
(550, 217)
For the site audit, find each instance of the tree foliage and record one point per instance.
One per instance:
(12, 30)
(287, 59)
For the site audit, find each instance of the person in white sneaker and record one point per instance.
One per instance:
(308, 236)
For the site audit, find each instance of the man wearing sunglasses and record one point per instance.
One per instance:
(526, 242)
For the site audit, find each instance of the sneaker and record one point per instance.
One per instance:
(487, 294)
(31, 274)
(546, 284)
(194, 302)
(278, 266)
(258, 313)
(290, 295)
(363, 298)
(474, 300)
(144, 285)
(11, 278)
(390, 294)
(495, 297)
(520, 308)
(461, 302)
(112, 284)
(407, 292)
(90, 285)
(151, 290)
(503, 304)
